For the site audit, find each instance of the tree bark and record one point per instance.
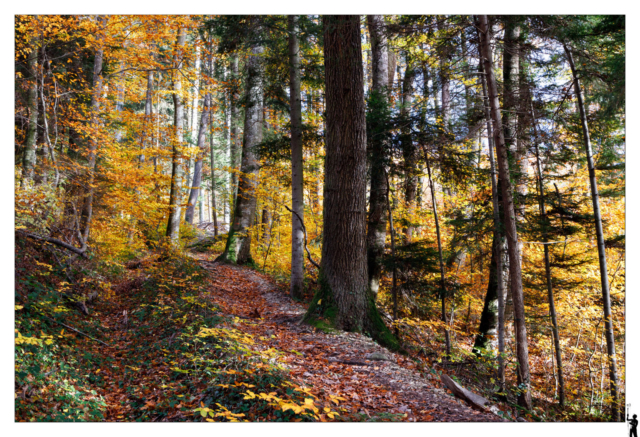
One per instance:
(515, 274)
(29, 159)
(602, 257)
(409, 152)
(343, 276)
(297, 191)
(87, 209)
(197, 170)
(235, 151)
(175, 197)
(238, 245)
(148, 111)
(493, 317)
(377, 218)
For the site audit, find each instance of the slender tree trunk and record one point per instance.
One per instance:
(489, 320)
(409, 152)
(547, 263)
(443, 289)
(120, 87)
(239, 241)
(148, 111)
(214, 212)
(235, 134)
(175, 197)
(197, 170)
(266, 226)
(297, 193)
(343, 276)
(515, 274)
(29, 159)
(602, 257)
(377, 218)
(511, 99)
(87, 209)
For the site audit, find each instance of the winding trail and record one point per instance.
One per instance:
(375, 383)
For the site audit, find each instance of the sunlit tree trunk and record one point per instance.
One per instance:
(197, 170)
(515, 274)
(87, 209)
(377, 218)
(602, 257)
(492, 318)
(175, 197)
(29, 159)
(148, 111)
(239, 241)
(297, 193)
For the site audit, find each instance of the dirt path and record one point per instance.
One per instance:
(374, 382)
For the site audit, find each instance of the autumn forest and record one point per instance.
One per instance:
(399, 218)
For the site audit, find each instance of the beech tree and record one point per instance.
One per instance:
(238, 245)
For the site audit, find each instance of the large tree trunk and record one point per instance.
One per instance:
(515, 274)
(29, 159)
(377, 218)
(87, 209)
(297, 192)
(197, 171)
(175, 197)
(238, 245)
(409, 152)
(343, 275)
(602, 257)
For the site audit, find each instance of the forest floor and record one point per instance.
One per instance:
(189, 339)
(374, 382)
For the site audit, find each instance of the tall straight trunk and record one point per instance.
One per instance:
(214, 211)
(120, 87)
(343, 275)
(511, 99)
(602, 256)
(377, 218)
(547, 263)
(297, 191)
(29, 159)
(175, 197)
(445, 80)
(148, 111)
(197, 170)
(493, 317)
(515, 274)
(443, 289)
(235, 152)
(409, 152)
(238, 245)
(87, 209)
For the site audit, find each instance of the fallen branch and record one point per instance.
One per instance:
(74, 329)
(60, 243)
(304, 229)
